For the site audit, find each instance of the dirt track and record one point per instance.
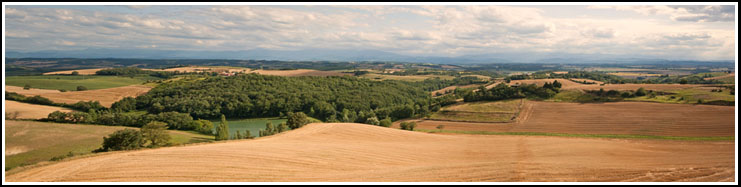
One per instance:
(641, 118)
(106, 96)
(358, 152)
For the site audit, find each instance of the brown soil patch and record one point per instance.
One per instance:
(81, 71)
(31, 111)
(637, 118)
(106, 97)
(358, 152)
(299, 72)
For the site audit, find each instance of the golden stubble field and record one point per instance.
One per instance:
(363, 153)
(31, 111)
(106, 97)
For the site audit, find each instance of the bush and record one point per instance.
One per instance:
(385, 122)
(205, 126)
(81, 88)
(75, 73)
(372, 121)
(297, 120)
(408, 125)
(27, 87)
(126, 139)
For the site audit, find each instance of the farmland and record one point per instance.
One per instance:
(351, 152)
(637, 118)
(29, 142)
(299, 72)
(70, 82)
(106, 97)
(30, 111)
(412, 78)
(500, 111)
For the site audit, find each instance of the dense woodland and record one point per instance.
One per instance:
(345, 98)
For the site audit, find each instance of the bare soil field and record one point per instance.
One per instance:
(106, 96)
(635, 118)
(80, 71)
(356, 152)
(299, 72)
(31, 111)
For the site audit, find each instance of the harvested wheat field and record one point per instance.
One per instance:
(358, 152)
(30, 111)
(299, 72)
(106, 97)
(80, 71)
(626, 118)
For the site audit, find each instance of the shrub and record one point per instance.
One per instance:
(386, 122)
(126, 139)
(27, 87)
(81, 88)
(296, 120)
(75, 73)
(204, 126)
(372, 121)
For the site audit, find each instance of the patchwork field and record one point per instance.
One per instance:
(30, 111)
(625, 118)
(299, 72)
(80, 71)
(30, 142)
(70, 82)
(412, 78)
(499, 111)
(352, 152)
(106, 97)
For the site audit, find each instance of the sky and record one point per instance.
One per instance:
(692, 32)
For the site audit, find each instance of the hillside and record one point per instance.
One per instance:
(357, 152)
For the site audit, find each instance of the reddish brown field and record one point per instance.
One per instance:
(349, 152)
(31, 111)
(299, 72)
(106, 96)
(637, 118)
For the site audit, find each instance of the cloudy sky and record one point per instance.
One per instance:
(687, 32)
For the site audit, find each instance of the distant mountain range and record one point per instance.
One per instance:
(337, 55)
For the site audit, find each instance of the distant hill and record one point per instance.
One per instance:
(343, 55)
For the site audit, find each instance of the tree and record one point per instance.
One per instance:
(75, 73)
(155, 132)
(640, 92)
(204, 126)
(411, 126)
(683, 81)
(27, 87)
(126, 139)
(238, 136)
(57, 116)
(248, 135)
(282, 127)
(297, 120)
(81, 88)
(385, 122)
(222, 131)
(125, 105)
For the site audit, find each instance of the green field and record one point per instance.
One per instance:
(498, 111)
(70, 82)
(688, 96)
(30, 142)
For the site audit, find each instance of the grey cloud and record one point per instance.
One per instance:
(718, 13)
